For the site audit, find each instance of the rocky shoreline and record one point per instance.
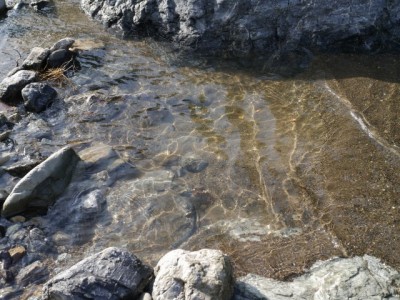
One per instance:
(277, 32)
(115, 273)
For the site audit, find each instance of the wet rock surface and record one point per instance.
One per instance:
(204, 274)
(110, 274)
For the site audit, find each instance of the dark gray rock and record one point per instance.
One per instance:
(111, 274)
(63, 44)
(242, 27)
(39, 4)
(36, 60)
(3, 6)
(355, 278)
(33, 273)
(11, 87)
(38, 96)
(43, 184)
(59, 58)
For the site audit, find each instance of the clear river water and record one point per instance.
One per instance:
(278, 172)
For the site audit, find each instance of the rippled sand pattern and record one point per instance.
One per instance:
(276, 172)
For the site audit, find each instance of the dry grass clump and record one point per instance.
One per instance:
(57, 75)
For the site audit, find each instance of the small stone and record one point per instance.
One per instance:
(17, 253)
(59, 58)
(20, 169)
(39, 4)
(194, 164)
(64, 44)
(18, 219)
(33, 273)
(36, 60)
(38, 96)
(5, 135)
(38, 242)
(11, 230)
(11, 87)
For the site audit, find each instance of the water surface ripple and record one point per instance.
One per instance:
(276, 172)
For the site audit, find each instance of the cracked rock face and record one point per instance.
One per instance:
(242, 27)
(183, 275)
(354, 278)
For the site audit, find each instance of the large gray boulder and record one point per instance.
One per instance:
(242, 27)
(10, 87)
(357, 278)
(108, 275)
(200, 275)
(43, 184)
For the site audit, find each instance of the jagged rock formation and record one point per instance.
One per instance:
(243, 27)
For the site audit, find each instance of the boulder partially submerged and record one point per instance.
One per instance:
(355, 278)
(40, 187)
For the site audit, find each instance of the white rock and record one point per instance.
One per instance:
(355, 278)
(183, 275)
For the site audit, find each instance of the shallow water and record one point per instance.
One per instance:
(277, 172)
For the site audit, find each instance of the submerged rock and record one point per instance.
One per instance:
(204, 274)
(109, 274)
(355, 278)
(11, 87)
(41, 185)
(38, 96)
